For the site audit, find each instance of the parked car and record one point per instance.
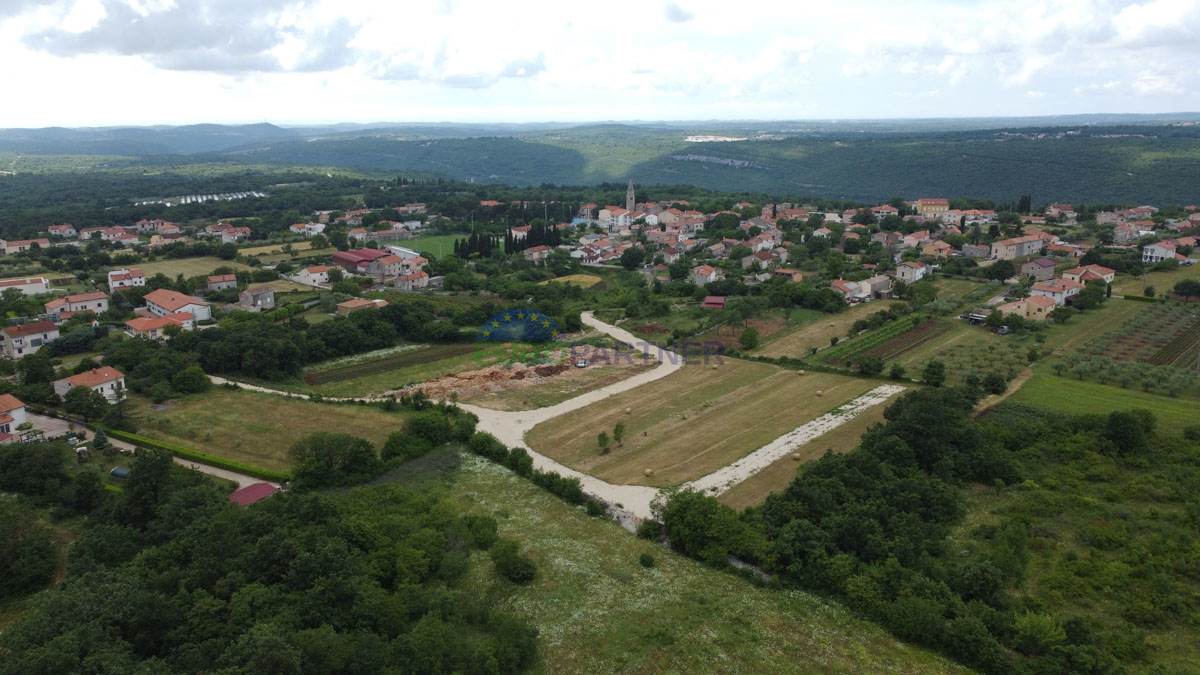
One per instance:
(581, 363)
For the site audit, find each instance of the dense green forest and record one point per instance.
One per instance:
(168, 576)
(1135, 162)
(1025, 541)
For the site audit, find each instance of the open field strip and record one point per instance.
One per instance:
(817, 333)
(730, 475)
(633, 502)
(188, 267)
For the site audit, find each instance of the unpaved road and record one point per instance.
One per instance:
(730, 475)
(633, 502)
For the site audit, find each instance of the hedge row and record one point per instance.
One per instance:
(200, 457)
(519, 462)
(1142, 298)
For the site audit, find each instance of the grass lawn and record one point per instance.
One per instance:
(557, 389)
(817, 333)
(598, 611)
(188, 267)
(1079, 397)
(438, 245)
(775, 478)
(270, 258)
(955, 288)
(1162, 282)
(1087, 326)
(581, 280)
(254, 428)
(692, 422)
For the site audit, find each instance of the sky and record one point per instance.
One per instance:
(119, 62)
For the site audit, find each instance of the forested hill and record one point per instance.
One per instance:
(1097, 162)
(179, 140)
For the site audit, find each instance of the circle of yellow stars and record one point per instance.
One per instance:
(533, 316)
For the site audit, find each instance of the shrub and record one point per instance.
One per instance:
(646, 560)
(510, 564)
(404, 447)
(594, 507)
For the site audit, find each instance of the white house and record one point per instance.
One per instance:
(18, 341)
(163, 302)
(12, 415)
(125, 278)
(1058, 290)
(317, 275)
(29, 286)
(96, 302)
(107, 380)
(308, 229)
(911, 271)
(1157, 252)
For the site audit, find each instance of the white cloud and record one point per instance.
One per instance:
(540, 59)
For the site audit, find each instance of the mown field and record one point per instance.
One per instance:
(188, 267)
(1083, 397)
(581, 280)
(817, 332)
(254, 428)
(776, 477)
(1162, 282)
(598, 610)
(692, 422)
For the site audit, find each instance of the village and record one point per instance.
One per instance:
(708, 346)
(1027, 270)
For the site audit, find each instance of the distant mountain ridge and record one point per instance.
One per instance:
(157, 140)
(1088, 158)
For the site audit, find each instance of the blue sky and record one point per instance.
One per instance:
(102, 62)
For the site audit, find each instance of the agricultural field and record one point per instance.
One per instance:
(584, 281)
(776, 477)
(686, 320)
(692, 422)
(796, 343)
(598, 610)
(1081, 397)
(274, 248)
(890, 339)
(364, 374)
(257, 429)
(773, 323)
(1162, 282)
(966, 350)
(1160, 335)
(188, 267)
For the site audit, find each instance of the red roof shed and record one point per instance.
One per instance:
(252, 493)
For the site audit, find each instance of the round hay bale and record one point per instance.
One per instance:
(820, 393)
(831, 324)
(800, 371)
(714, 366)
(649, 472)
(795, 457)
(628, 411)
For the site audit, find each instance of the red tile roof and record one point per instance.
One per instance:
(95, 376)
(30, 329)
(9, 402)
(252, 493)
